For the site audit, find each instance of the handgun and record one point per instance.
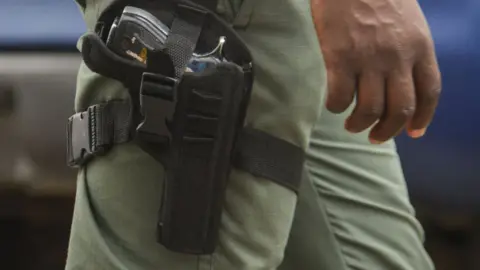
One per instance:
(137, 32)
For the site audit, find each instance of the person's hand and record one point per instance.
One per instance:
(381, 53)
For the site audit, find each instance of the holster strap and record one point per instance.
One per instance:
(93, 132)
(264, 155)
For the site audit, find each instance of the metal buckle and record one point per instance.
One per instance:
(80, 138)
(157, 106)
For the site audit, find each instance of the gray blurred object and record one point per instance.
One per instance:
(8, 144)
(7, 99)
(44, 87)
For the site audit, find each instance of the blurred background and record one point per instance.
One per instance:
(38, 65)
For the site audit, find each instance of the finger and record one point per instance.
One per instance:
(400, 98)
(341, 90)
(428, 86)
(370, 102)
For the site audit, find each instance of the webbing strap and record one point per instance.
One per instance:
(264, 155)
(183, 37)
(93, 131)
(257, 152)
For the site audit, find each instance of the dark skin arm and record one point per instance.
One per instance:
(382, 53)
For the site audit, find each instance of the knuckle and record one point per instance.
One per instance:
(431, 96)
(365, 49)
(419, 41)
(403, 113)
(388, 49)
(370, 113)
(401, 50)
(392, 54)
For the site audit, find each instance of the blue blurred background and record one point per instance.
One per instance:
(37, 43)
(51, 23)
(444, 167)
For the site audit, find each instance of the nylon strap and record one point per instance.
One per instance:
(183, 37)
(92, 132)
(257, 152)
(264, 155)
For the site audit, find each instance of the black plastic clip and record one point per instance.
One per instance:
(80, 138)
(157, 106)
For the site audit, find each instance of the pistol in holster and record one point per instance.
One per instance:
(190, 78)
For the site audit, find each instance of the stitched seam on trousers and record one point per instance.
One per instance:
(331, 226)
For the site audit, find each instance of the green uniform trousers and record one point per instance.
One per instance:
(352, 213)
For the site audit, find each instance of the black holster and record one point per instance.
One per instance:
(187, 121)
(203, 130)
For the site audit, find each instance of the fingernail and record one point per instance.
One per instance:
(418, 133)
